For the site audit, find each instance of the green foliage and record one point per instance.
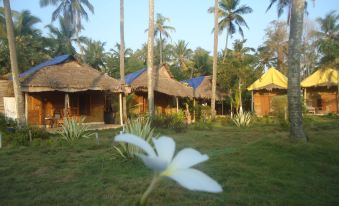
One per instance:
(73, 130)
(202, 125)
(279, 107)
(140, 127)
(242, 119)
(174, 121)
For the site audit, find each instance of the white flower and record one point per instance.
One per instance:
(178, 168)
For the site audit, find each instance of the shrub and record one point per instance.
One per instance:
(24, 135)
(279, 108)
(73, 130)
(140, 127)
(202, 125)
(175, 121)
(242, 119)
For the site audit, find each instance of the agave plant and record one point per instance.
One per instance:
(141, 127)
(73, 129)
(242, 119)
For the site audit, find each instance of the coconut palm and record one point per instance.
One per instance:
(24, 24)
(14, 64)
(94, 53)
(231, 18)
(163, 31)
(150, 65)
(282, 5)
(122, 57)
(182, 55)
(215, 58)
(72, 11)
(62, 38)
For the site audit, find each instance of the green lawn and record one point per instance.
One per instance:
(256, 166)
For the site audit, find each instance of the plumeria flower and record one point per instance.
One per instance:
(178, 168)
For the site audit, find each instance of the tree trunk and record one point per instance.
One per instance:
(150, 44)
(226, 44)
(294, 54)
(77, 31)
(215, 58)
(122, 58)
(240, 97)
(19, 100)
(160, 45)
(192, 71)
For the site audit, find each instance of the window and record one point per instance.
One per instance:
(84, 104)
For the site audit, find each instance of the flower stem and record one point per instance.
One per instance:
(144, 197)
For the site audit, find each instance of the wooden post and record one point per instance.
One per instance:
(97, 138)
(0, 140)
(305, 97)
(120, 105)
(66, 105)
(177, 101)
(193, 109)
(252, 102)
(26, 107)
(222, 107)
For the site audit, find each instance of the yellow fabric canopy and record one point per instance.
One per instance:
(322, 77)
(271, 79)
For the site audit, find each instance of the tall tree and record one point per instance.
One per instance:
(122, 57)
(182, 55)
(94, 53)
(163, 31)
(150, 65)
(285, 4)
(231, 19)
(215, 58)
(14, 64)
(294, 55)
(73, 11)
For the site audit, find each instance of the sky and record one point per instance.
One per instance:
(189, 17)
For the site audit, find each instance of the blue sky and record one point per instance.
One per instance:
(190, 18)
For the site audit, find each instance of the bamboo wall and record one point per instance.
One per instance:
(262, 100)
(5, 91)
(323, 99)
(46, 104)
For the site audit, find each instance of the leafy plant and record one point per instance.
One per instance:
(141, 127)
(175, 121)
(73, 130)
(242, 119)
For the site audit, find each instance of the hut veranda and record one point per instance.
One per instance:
(64, 87)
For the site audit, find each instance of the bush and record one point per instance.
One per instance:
(23, 136)
(73, 130)
(202, 125)
(279, 107)
(140, 127)
(175, 121)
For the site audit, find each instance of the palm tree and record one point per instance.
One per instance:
(150, 65)
(24, 24)
(163, 31)
(73, 11)
(215, 58)
(294, 55)
(231, 19)
(182, 55)
(62, 38)
(14, 64)
(94, 53)
(201, 62)
(122, 57)
(285, 4)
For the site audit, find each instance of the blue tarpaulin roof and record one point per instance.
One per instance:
(54, 61)
(129, 78)
(195, 82)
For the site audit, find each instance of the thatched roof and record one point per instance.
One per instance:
(202, 87)
(67, 76)
(164, 83)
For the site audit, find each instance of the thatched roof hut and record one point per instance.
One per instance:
(164, 83)
(202, 88)
(66, 74)
(272, 79)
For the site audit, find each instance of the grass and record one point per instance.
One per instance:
(256, 166)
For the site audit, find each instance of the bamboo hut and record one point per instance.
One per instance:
(202, 91)
(167, 91)
(270, 84)
(321, 91)
(63, 87)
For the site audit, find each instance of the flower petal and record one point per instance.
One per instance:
(154, 163)
(187, 158)
(137, 141)
(193, 179)
(165, 147)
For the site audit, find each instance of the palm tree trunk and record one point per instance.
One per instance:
(294, 54)
(240, 98)
(20, 104)
(215, 58)
(122, 57)
(231, 102)
(78, 28)
(150, 44)
(226, 44)
(160, 45)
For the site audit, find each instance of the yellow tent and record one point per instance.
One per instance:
(322, 77)
(271, 79)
